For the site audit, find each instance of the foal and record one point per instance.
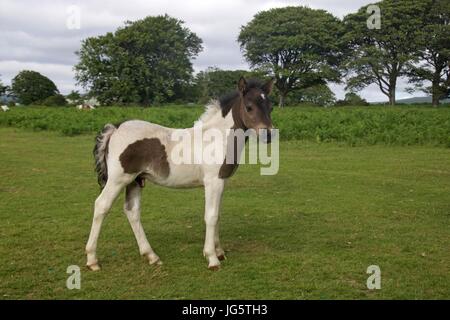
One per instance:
(128, 154)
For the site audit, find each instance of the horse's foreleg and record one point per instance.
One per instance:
(213, 197)
(102, 206)
(132, 209)
(220, 253)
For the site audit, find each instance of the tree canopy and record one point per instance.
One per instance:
(298, 46)
(381, 56)
(144, 62)
(74, 97)
(434, 52)
(3, 88)
(31, 86)
(214, 82)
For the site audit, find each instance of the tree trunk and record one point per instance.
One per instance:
(435, 99)
(392, 87)
(392, 97)
(435, 90)
(282, 99)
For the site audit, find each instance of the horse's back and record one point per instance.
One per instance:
(141, 128)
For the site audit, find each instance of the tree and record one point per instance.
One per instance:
(298, 46)
(57, 100)
(143, 62)
(214, 82)
(31, 86)
(74, 97)
(320, 95)
(381, 56)
(434, 53)
(3, 89)
(352, 99)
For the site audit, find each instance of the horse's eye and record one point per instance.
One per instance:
(248, 108)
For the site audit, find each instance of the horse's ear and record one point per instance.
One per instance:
(268, 86)
(242, 85)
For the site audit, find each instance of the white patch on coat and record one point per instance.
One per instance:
(263, 96)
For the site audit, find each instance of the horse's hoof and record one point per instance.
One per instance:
(156, 263)
(94, 267)
(214, 268)
(153, 259)
(221, 257)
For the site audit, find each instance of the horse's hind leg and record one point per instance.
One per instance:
(102, 206)
(132, 209)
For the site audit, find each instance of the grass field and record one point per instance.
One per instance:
(309, 232)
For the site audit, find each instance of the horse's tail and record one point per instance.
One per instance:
(101, 152)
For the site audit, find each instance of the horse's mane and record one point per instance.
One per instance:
(211, 110)
(227, 101)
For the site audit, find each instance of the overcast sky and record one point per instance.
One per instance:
(34, 34)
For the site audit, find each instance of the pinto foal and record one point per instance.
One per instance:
(135, 150)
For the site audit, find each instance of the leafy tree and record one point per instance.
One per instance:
(298, 46)
(3, 89)
(31, 86)
(320, 95)
(74, 97)
(214, 82)
(352, 99)
(143, 62)
(57, 100)
(381, 56)
(434, 53)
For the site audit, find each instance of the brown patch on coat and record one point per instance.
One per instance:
(143, 154)
(228, 169)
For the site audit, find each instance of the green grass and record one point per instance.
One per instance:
(406, 125)
(309, 232)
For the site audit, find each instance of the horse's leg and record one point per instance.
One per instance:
(213, 197)
(132, 209)
(102, 206)
(220, 253)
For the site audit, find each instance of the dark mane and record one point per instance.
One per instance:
(227, 100)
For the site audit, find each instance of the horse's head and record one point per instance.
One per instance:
(255, 107)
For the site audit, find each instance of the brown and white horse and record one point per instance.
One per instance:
(134, 151)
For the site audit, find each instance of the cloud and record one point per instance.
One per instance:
(36, 36)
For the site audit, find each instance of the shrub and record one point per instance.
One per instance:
(351, 125)
(54, 101)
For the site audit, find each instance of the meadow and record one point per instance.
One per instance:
(344, 199)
